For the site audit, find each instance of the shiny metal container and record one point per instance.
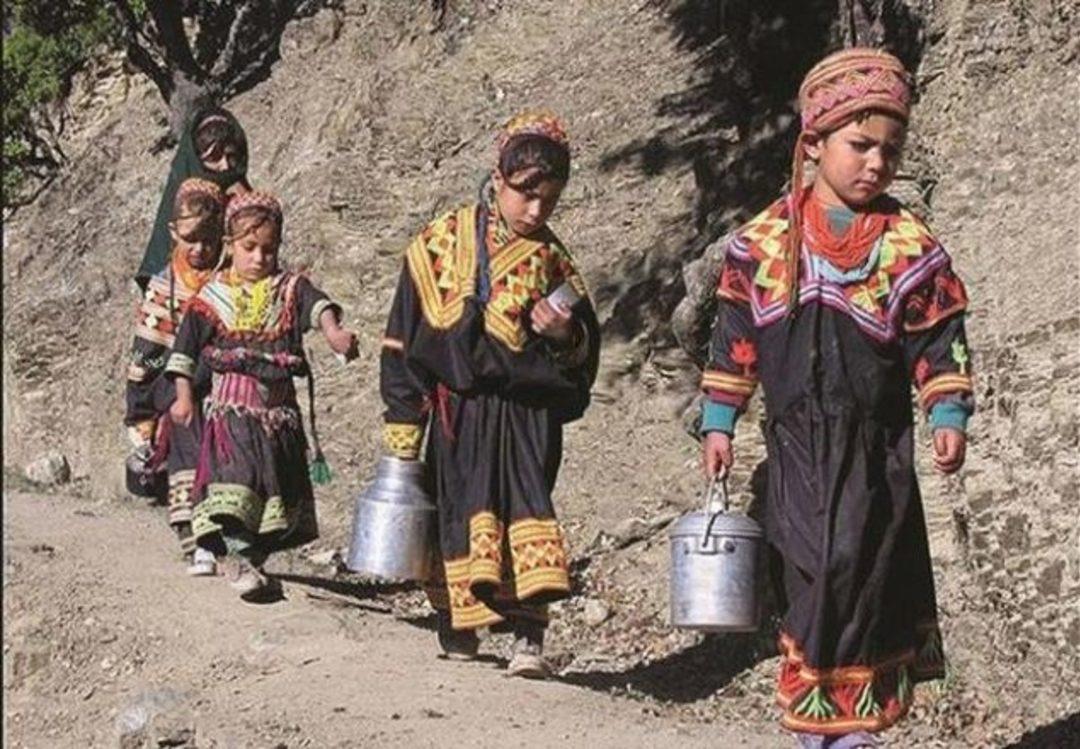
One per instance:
(714, 568)
(394, 524)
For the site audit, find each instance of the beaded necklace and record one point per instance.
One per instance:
(251, 302)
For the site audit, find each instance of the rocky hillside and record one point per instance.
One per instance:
(370, 124)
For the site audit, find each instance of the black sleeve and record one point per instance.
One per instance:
(403, 391)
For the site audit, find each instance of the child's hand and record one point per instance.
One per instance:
(717, 454)
(181, 411)
(343, 342)
(552, 321)
(950, 446)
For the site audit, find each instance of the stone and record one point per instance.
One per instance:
(596, 612)
(51, 469)
(157, 718)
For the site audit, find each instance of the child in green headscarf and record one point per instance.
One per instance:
(213, 147)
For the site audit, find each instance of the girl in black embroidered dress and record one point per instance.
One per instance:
(838, 300)
(475, 349)
(253, 492)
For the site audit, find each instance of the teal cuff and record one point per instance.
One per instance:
(949, 415)
(718, 417)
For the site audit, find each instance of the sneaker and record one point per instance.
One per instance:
(244, 577)
(528, 661)
(202, 564)
(456, 644)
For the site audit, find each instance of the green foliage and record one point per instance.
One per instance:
(45, 43)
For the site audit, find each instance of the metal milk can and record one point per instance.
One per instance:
(394, 525)
(714, 561)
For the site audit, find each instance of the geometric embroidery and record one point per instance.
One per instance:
(403, 440)
(219, 304)
(538, 563)
(908, 254)
(442, 263)
(847, 699)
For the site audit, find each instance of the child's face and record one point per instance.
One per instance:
(858, 161)
(255, 252)
(198, 239)
(526, 206)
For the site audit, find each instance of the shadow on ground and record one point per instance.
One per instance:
(1057, 735)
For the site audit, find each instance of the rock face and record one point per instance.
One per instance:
(681, 124)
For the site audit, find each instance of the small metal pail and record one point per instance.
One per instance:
(714, 561)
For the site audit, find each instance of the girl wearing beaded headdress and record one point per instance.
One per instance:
(253, 485)
(839, 301)
(482, 356)
(159, 450)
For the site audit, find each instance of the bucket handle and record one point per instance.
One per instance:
(712, 507)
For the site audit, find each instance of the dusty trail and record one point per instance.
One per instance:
(99, 618)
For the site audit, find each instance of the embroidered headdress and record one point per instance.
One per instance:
(254, 199)
(543, 123)
(834, 92)
(197, 186)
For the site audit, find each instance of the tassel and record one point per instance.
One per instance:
(319, 470)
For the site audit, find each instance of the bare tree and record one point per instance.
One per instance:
(197, 51)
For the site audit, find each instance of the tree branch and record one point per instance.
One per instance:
(169, 21)
(139, 55)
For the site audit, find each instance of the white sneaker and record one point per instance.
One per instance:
(528, 661)
(203, 564)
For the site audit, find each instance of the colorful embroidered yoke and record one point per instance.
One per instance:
(252, 474)
(843, 509)
(459, 352)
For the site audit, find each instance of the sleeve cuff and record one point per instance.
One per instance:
(949, 415)
(321, 306)
(181, 364)
(718, 417)
(403, 440)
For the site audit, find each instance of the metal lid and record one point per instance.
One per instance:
(716, 519)
(725, 524)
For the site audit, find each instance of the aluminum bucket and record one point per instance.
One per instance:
(394, 524)
(714, 568)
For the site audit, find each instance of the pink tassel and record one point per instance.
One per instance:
(161, 443)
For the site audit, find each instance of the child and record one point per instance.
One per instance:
(253, 491)
(837, 298)
(196, 231)
(213, 148)
(473, 344)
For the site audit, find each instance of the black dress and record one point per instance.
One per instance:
(459, 354)
(252, 481)
(149, 394)
(843, 508)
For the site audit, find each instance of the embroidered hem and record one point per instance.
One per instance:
(845, 699)
(538, 567)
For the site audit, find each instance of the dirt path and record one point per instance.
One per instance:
(104, 633)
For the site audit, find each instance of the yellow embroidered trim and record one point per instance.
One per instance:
(539, 556)
(950, 382)
(539, 563)
(403, 440)
(240, 503)
(729, 383)
(443, 268)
